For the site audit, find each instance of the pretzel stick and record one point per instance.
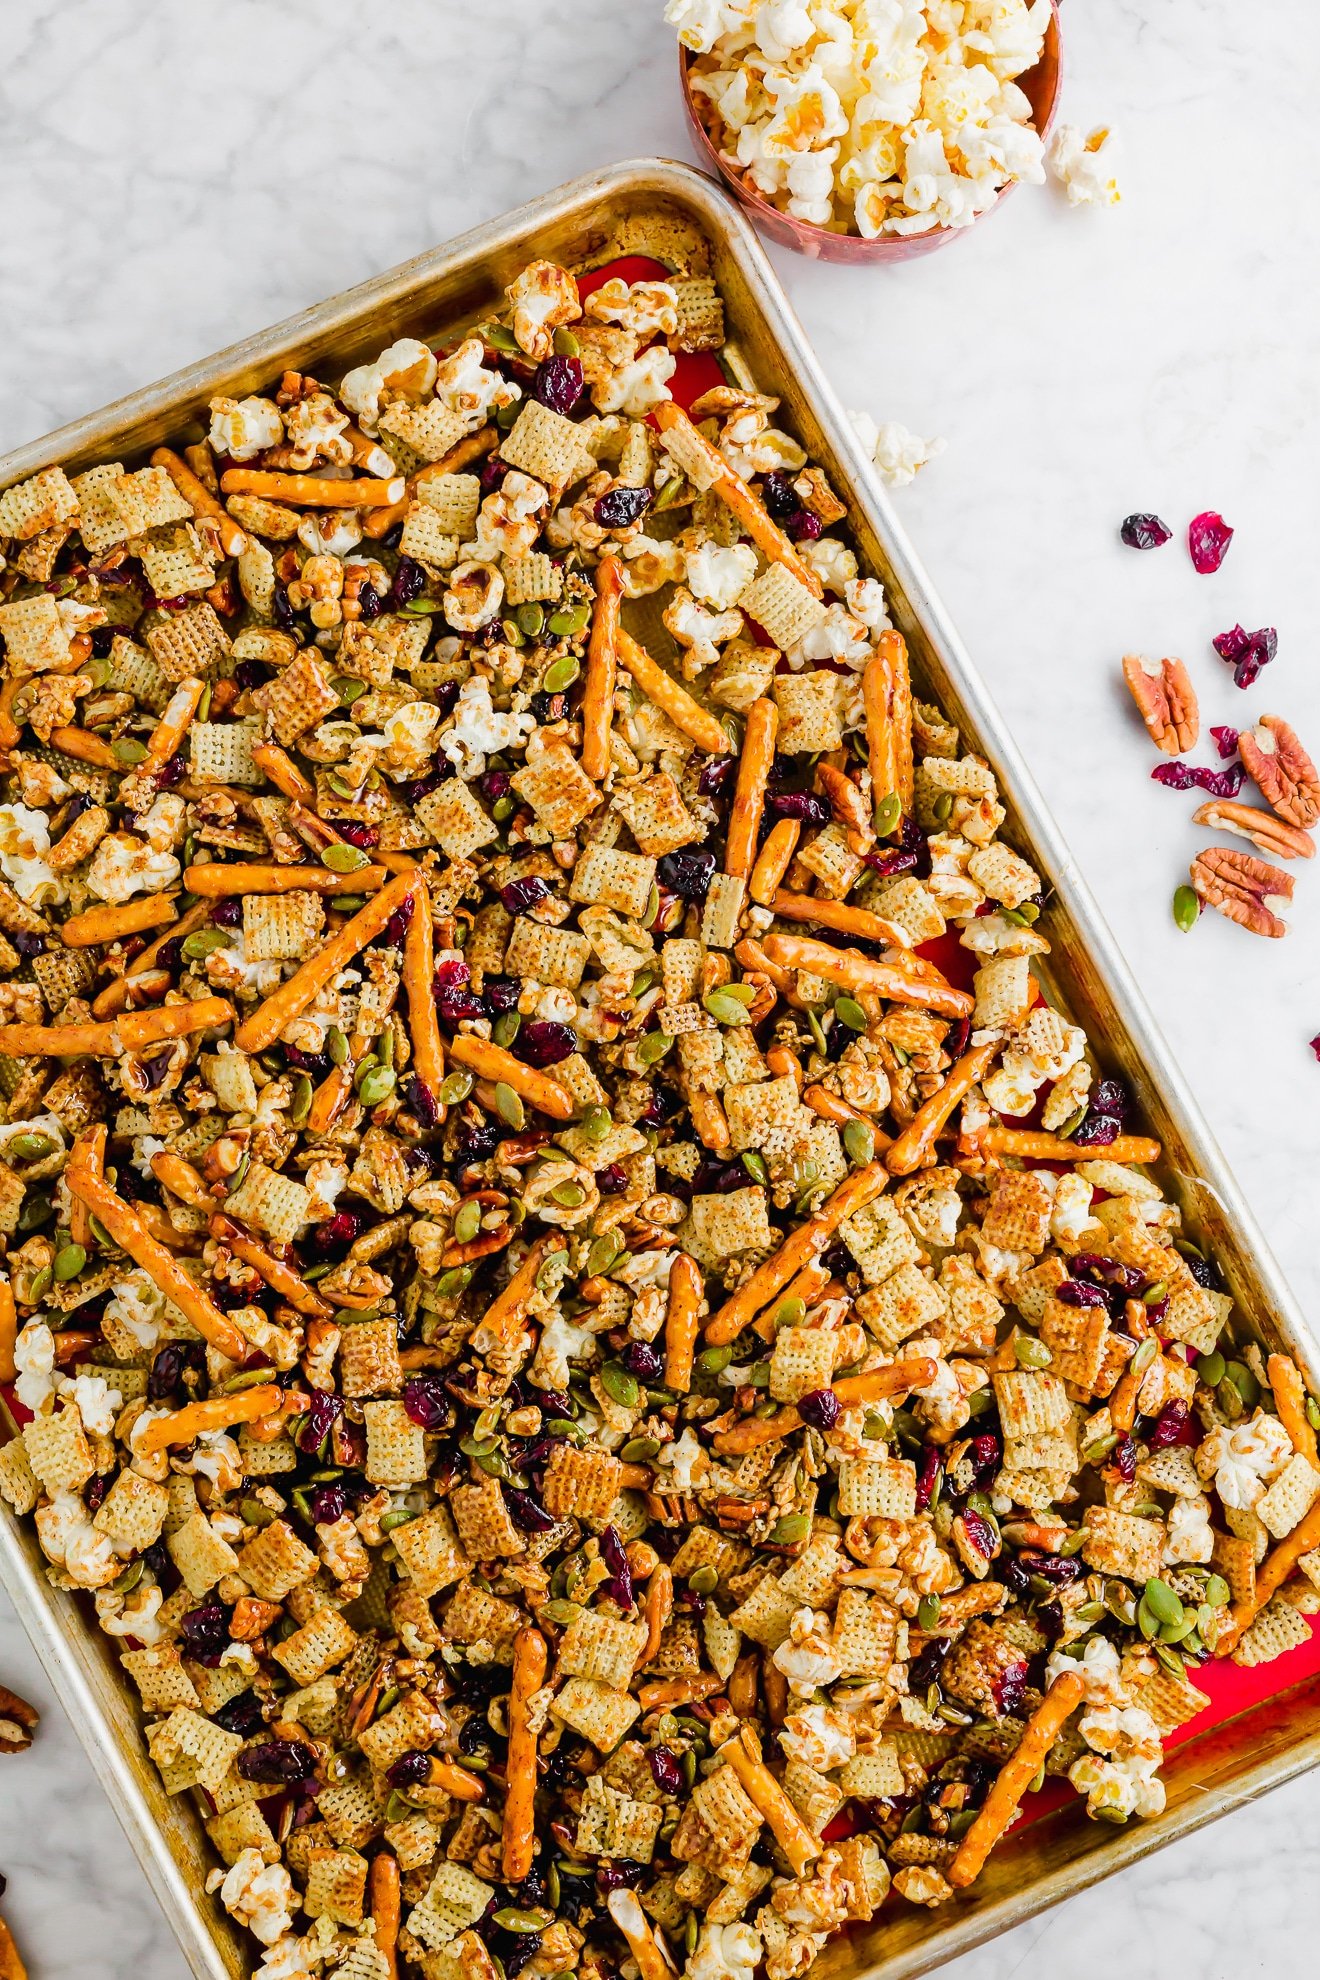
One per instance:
(233, 540)
(677, 703)
(283, 772)
(656, 1611)
(494, 1063)
(831, 1107)
(8, 1332)
(682, 1322)
(737, 496)
(799, 1845)
(172, 727)
(774, 860)
(602, 670)
(909, 1151)
(384, 1900)
(1014, 1778)
(887, 698)
(293, 1402)
(1273, 1571)
(129, 1033)
(265, 1024)
(1290, 1401)
(118, 995)
(758, 753)
(456, 1780)
(128, 1230)
(181, 1177)
(806, 1243)
(1052, 1148)
(86, 747)
(875, 1386)
(313, 491)
(503, 1318)
(218, 882)
(710, 1123)
(111, 924)
(381, 521)
(924, 988)
(637, 1929)
(519, 1840)
(807, 1285)
(184, 1426)
(839, 915)
(281, 1278)
(418, 982)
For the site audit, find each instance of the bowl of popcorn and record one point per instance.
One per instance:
(870, 130)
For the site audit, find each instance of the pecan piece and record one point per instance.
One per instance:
(18, 1721)
(1244, 889)
(1266, 832)
(1167, 700)
(1289, 781)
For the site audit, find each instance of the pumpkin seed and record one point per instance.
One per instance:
(69, 1261)
(495, 1465)
(725, 1008)
(455, 1087)
(817, 1032)
(638, 1449)
(713, 1361)
(31, 1147)
(1217, 1592)
(1186, 908)
(789, 1530)
(1028, 1352)
(604, 1255)
(499, 337)
(859, 1142)
(255, 1514)
(531, 619)
(509, 1106)
(1073, 1544)
(669, 493)
(569, 1195)
(704, 1580)
(1179, 1631)
(301, 1104)
(561, 1612)
(129, 751)
(619, 1385)
(596, 1123)
(1154, 1294)
(512, 1918)
(379, 1083)
(1245, 1383)
(652, 1048)
(1147, 1352)
(888, 815)
(1171, 1661)
(1230, 1399)
(1210, 1369)
(849, 1012)
(247, 1378)
(566, 344)
(928, 1612)
(336, 1046)
(1313, 1412)
(506, 1027)
(1160, 1602)
(755, 1166)
(344, 858)
(560, 674)
(571, 621)
(942, 806)
(468, 1222)
(385, 1046)
(453, 1282)
(203, 942)
(791, 1313)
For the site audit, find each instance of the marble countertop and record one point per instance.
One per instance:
(179, 175)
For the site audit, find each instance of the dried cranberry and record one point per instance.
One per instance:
(715, 775)
(286, 1760)
(665, 1771)
(103, 638)
(409, 582)
(426, 1402)
(457, 1004)
(820, 1408)
(1226, 740)
(173, 773)
(979, 1533)
(1061, 1569)
(687, 874)
(227, 914)
(1206, 1273)
(250, 674)
(1247, 652)
(1170, 1425)
(411, 1769)
(342, 1228)
(1174, 776)
(322, 1412)
(620, 508)
(167, 1370)
(545, 1042)
(803, 527)
(1077, 1292)
(501, 994)
(418, 788)
(928, 1472)
(242, 1715)
(1208, 538)
(315, 1064)
(1098, 1130)
(559, 384)
(803, 805)
(450, 973)
(494, 785)
(611, 1180)
(422, 1103)
(616, 1560)
(1010, 1689)
(640, 1359)
(328, 1504)
(493, 473)
(1144, 532)
(527, 1512)
(1014, 1576)
(359, 834)
(888, 863)
(549, 707)
(779, 495)
(476, 1140)
(716, 1178)
(619, 1875)
(522, 894)
(1222, 783)
(926, 1667)
(958, 1038)
(1123, 1457)
(205, 1632)
(984, 1452)
(95, 1490)
(371, 603)
(280, 609)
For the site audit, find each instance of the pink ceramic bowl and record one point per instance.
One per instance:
(1041, 85)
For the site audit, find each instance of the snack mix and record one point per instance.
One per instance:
(877, 117)
(534, 1319)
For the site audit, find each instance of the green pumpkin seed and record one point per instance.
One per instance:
(69, 1261)
(755, 1166)
(255, 1513)
(859, 1142)
(928, 1612)
(344, 858)
(604, 1255)
(725, 1008)
(1217, 1592)
(596, 1123)
(531, 619)
(1071, 1125)
(30, 1147)
(791, 1313)
(129, 751)
(1230, 1400)
(668, 495)
(652, 907)
(336, 1046)
(130, 1578)
(1163, 1604)
(888, 815)
(468, 1222)
(495, 1465)
(509, 1106)
(379, 1083)
(1028, 1352)
(506, 1028)
(203, 942)
(385, 1046)
(713, 1361)
(1178, 1632)
(1147, 1352)
(453, 1282)
(1245, 1383)
(1313, 1412)
(652, 1048)
(301, 1104)
(514, 1918)
(560, 1612)
(1186, 908)
(817, 1032)
(347, 689)
(638, 1449)
(704, 1580)
(454, 1088)
(499, 337)
(942, 807)
(1210, 1369)
(571, 621)
(569, 1195)
(560, 674)
(350, 903)
(1154, 1294)
(566, 344)
(619, 1385)
(849, 1012)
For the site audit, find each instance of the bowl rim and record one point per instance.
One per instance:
(782, 225)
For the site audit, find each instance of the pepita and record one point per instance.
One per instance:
(859, 1142)
(203, 942)
(571, 621)
(343, 858)
(849, 1012)
(888, 815)
(69, 1261)
(301, 1104)
(560, 674)
(755, 1166)
(619, 1385)
(652, 1048)
(790, 1530)
(928, 1612)
(1210, 1369)
(1028, 1352)
(468, 1222)
(455, 1087)
(726, 1008)
(506, 1028)
(379, 1083)
(1186, 908)
(604, 1255)
(509, 1106)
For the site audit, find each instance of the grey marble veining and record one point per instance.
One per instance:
(177, 174)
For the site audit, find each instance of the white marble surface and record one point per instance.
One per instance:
(178, 174)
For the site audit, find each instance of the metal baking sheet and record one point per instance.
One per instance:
(1231, 1762)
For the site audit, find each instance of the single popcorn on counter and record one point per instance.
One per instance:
(1083, 166)
(897, 453)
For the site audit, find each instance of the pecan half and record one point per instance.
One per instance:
(18, 1721)
(1288, 779)
(1167, 701)
(1266, 832)
(1244, 889)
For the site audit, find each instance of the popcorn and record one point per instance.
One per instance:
(407, 369)
(244, 428)
(718, 577)
(34, 1358)
(477, 730)
(24, 842)
(898, 453)
(260, 1895)
(1083, 166)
